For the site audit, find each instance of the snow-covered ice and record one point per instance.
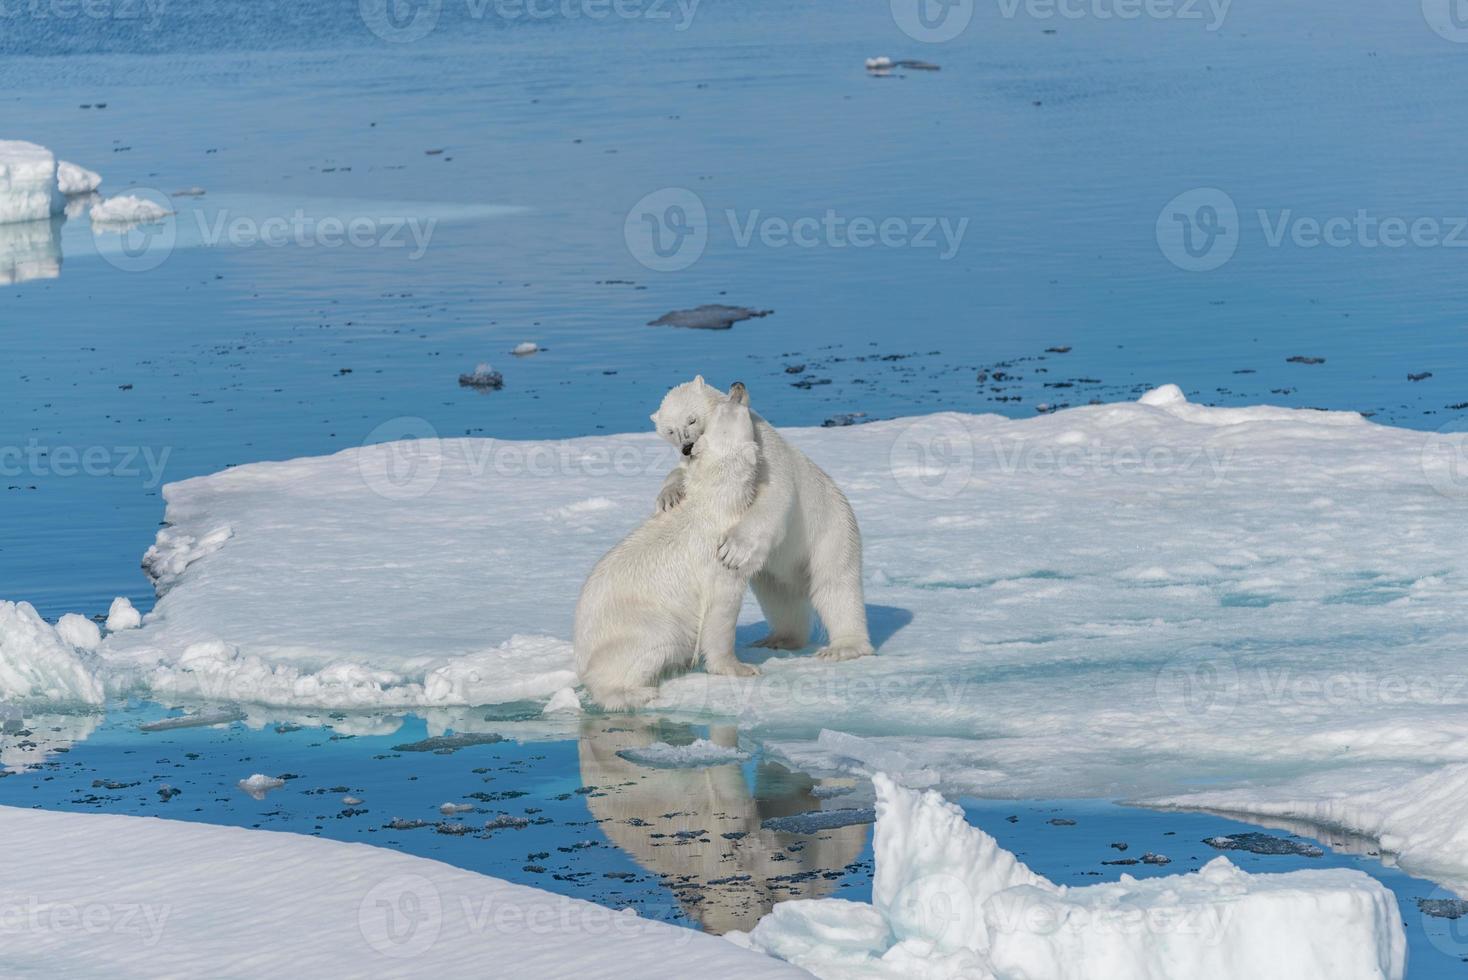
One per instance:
(142, 897)
(696, 754)
(525, 347)
(28, 189)
(122, 615)
(128, 209)
(79, 631)
(1134, 599)
(38, 664)
(948, 901)
(72, 179)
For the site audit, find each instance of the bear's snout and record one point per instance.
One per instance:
(688, 449)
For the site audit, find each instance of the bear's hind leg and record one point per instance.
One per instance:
(787, 609)
(840, 603)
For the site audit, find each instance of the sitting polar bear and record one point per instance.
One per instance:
(661, 598)
(799, 540)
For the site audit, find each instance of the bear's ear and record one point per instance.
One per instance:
(654, 417)
(698, 382)
(738, 394)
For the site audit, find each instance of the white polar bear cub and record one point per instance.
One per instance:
(799, 540)
(661, 598)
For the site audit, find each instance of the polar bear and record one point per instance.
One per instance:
(661, 598)
(799, 541)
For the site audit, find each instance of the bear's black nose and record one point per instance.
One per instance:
(688, 449)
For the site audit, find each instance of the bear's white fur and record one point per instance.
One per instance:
(799, 540)
(661, 598)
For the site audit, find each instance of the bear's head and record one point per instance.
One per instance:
(685, 412)
(729, 434)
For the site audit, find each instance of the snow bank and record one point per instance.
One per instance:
(1072, 605)
(697, 754)
(145, 897)
(37, 663)
(127, 209)
(28, 190)
(948, 901)
(72, 179)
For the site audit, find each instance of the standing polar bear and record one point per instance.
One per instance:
(661, 598)
(799, 539)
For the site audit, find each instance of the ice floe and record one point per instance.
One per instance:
(146, 897)
(1114, 600)
(28, 188)
(948, 901)
(128, 209)
(30, 250)
(72, 179)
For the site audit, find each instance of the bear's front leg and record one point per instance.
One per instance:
(671, 495)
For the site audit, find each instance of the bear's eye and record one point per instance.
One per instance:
(693, 420)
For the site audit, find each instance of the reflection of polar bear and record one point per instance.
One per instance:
(731, 874)
(799, 539)
(661, 598)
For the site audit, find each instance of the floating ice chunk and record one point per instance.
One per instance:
(449, 809)
(36, 662)
(122, 615)
(30, 250)
(696, 754)
(528, 347)
(563, 701)
(128, 209)
(72, 179)
(28, 190)
(190, 192)
(79, 631)
(1220, 922)
(948, 901)
(259, 784)
(445, 744)
(879, 63)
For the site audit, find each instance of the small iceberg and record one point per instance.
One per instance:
(695, 755)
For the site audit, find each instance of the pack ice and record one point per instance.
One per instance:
(1139, 599)
(948, 901)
